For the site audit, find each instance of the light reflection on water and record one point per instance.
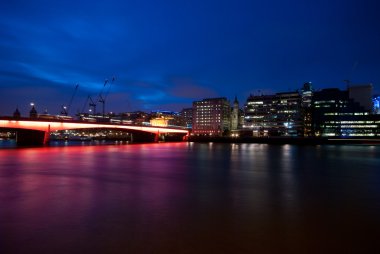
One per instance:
(189, 198)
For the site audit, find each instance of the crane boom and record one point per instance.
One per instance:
(66, 109)
(103, 97)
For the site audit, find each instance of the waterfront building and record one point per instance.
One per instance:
(135, 117)
(187, 117)
(259, 114)
(165, 118)
(235, 115)
(273, 115)
(336, 113)
(288, 114)
(211, 116)
(306, 93)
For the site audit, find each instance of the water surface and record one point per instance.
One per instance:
(190, 198)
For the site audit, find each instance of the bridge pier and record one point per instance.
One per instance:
(32, 137)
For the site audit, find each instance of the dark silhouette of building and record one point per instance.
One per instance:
(187, 117)
(33, 112)
(17, 114)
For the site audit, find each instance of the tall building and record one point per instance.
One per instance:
(211, 116)
(288, 114)
(235, 115)
(306, 93)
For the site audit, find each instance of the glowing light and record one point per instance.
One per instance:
(56, 126)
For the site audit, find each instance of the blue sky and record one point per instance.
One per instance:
(166, 54)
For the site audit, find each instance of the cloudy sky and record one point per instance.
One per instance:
(165, 54)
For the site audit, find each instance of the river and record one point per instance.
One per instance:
(189, 198)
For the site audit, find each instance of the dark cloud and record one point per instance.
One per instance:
(188, 89)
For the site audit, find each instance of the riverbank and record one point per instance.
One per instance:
(286, 140)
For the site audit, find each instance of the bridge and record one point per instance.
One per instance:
(37, 131)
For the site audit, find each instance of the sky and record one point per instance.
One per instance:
(166, 54)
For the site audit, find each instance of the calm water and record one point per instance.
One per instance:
(190, 198)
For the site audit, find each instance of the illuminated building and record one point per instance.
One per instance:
(211, 116)
(306, 99)
(160, 121)
(273, 115)
(166, 117)
(259, 114)
(288, 117)
(335, 113)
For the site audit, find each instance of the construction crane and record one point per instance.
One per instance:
(103, 97)
(89, 101)
(66, 109)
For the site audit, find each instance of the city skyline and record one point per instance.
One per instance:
(166, 55)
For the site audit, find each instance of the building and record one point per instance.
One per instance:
(211, 116)
(187, 117)
(288, 114)
(33, 112)
(337, 113)
(274, 115)
(165, 118)
(306, 93)
(361, 94)
(235, 115)
(259, 114)
(17, 114)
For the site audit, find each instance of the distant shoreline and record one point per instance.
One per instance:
(287, 140)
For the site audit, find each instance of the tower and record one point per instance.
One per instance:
(33, 112)
(235, 115)
(16, 114)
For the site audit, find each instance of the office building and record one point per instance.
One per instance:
(211, 116)
(273, 115)
(336, 113)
